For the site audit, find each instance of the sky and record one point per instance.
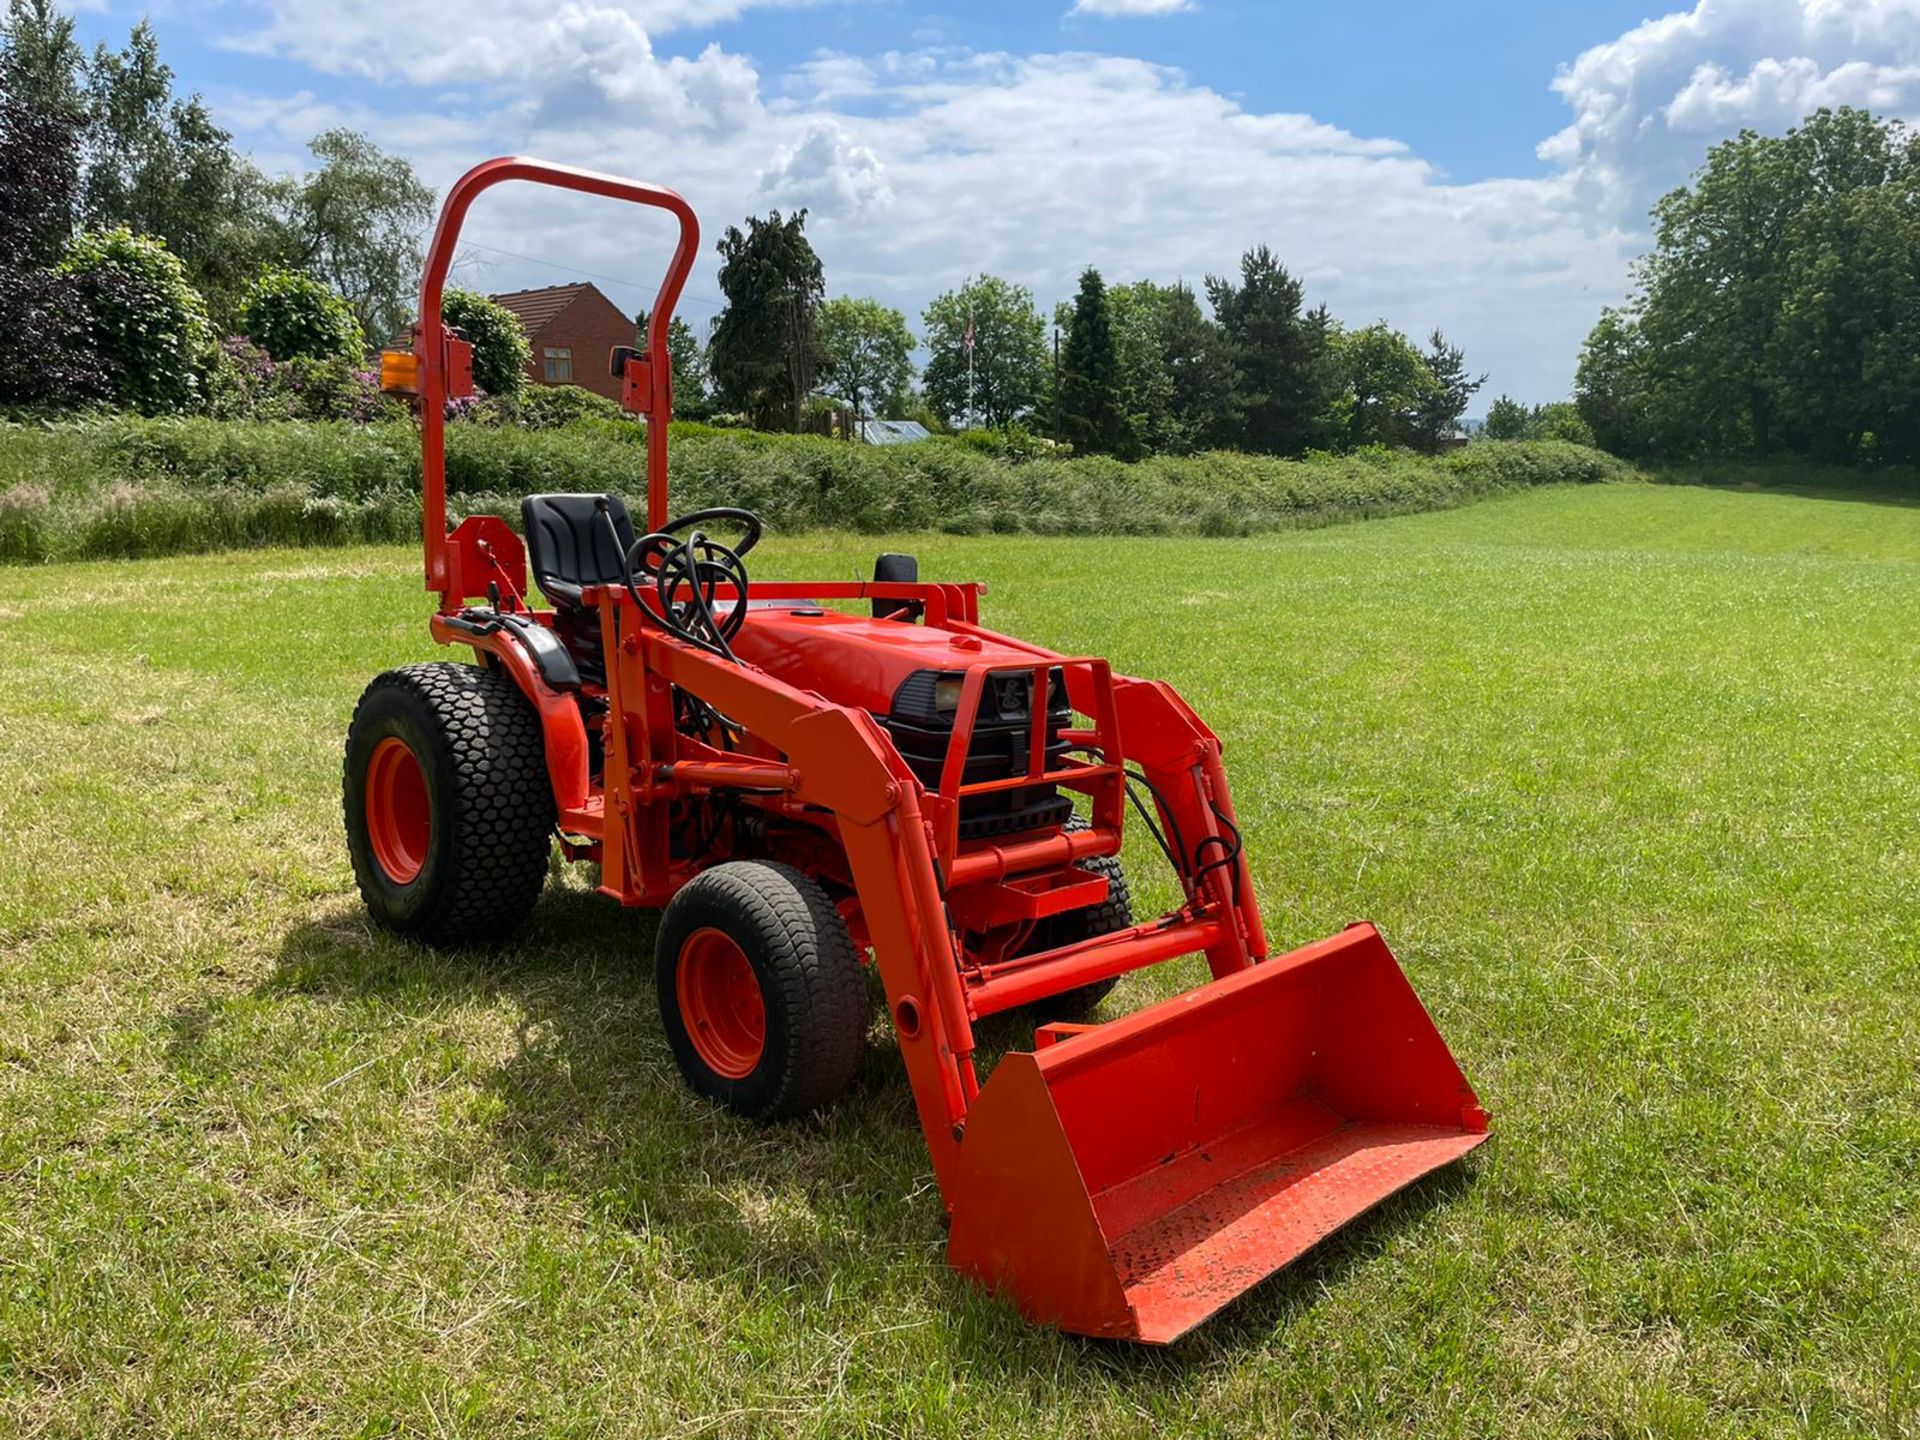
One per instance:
(1483, 166)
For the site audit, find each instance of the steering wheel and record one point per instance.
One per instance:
(688, 574)
(648, 550)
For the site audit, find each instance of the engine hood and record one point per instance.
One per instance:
(855, 660)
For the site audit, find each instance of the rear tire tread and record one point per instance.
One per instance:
(498, 838)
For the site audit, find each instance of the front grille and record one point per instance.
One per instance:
(1002, 743)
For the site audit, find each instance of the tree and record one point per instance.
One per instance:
(48, 359)
(1388, 386)
(1609, 388)
(1199, 374)
(40, 62)
(355, 224)
(145, 321)
(866, 353)
(288, 314)
(1093, 413)
(1755, 314)
(1450, 389)
(1507, 419)
(1559, 420)
(501, 349)
(1285, 374)
(1009, 352)
(763, 352)
(1139, 316)
(1846, 353)
(41, 119)
(159, 166)
(39, 154)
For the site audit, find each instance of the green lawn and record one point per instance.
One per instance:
(1626, 774)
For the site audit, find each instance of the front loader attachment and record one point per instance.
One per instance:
(1130, 1180)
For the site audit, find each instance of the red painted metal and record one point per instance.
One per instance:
(399, 819)
(439, 375)
(1013, 983)
(1122, 1179)
(1131, 1180)
(721, 1004)
(483, 550)
(561, 724)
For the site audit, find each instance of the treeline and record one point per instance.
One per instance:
(146, 265)
(1129, 370)
(1779, 311)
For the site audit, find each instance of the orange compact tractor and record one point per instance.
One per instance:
(808, 778)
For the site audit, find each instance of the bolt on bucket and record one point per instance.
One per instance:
(1131, 1180)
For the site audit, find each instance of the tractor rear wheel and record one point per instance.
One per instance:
(448, 808)
(1111, 914)
(761, 991)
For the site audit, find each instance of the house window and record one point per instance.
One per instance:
(559, 366)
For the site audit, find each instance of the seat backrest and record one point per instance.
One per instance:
(568, 543)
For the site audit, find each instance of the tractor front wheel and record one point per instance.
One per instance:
(761, 992)
(448, 808)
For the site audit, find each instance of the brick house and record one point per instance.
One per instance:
(571, 329)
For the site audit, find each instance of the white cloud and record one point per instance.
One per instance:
(1130, 7)
(827, 166)
(1646, 105)
(549, 52)
(922, 167)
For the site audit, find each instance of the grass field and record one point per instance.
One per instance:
(1626, 774)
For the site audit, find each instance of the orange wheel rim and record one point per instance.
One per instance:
(399, 819)
(721, 1004)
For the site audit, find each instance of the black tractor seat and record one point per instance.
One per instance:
(574, 541)
(570, 544)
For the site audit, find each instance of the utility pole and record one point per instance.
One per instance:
(1056, 383)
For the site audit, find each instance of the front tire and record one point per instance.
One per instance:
(448, 808)
(761, 993)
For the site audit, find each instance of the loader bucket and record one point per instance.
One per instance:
(1131, 1180)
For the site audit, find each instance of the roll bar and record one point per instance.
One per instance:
(649, 381)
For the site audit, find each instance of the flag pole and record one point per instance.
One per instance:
(970, 342)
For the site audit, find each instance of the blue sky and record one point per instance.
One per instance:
(1483, 167)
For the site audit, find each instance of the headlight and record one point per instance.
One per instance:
(946, 694)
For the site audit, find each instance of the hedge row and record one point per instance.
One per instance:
(126, 487)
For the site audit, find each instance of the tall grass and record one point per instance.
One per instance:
(121, 486)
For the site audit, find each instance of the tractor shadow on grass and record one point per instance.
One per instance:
(587, 1104)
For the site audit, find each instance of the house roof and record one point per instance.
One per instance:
(534, 309)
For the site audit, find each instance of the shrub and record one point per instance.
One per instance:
(144, 321)
(23, 524)
(1508, 419)
(47, 359)
(124, 485)
(500, 347)
(548, 407)
(294, 316)
(246, 383)
(1015, 443)
(1561, 421)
